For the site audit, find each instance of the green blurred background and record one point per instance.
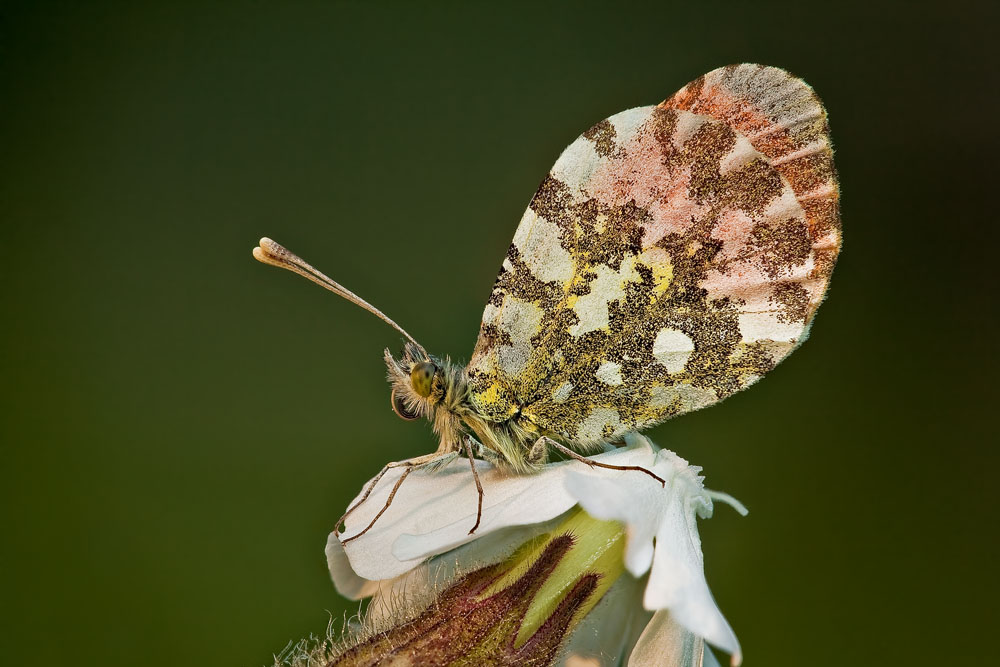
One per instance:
(181, 426)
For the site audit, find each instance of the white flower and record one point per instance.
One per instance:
(423, 539)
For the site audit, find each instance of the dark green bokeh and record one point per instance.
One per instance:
(181, 425)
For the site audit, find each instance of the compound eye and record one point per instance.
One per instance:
(422, 378)
(399, 407)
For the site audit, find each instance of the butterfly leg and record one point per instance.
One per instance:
(592, 463)
(485, 453)
(410, 465)
(479, 487)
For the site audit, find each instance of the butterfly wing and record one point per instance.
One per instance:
(673, 255)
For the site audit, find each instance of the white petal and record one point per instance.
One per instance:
(666, 643)
(668, 514)
(635, 499)
(347, 583)
(433, 511)
(386, 594)
(507, 501)
(677, 580)
(606, 497)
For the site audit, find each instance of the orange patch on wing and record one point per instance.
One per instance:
(810, 173)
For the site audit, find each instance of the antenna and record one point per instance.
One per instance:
(275, 254)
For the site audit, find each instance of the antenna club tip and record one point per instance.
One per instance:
(270, 252)
(270, 246)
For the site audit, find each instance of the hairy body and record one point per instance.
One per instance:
(447, 404)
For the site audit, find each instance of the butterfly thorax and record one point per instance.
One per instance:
(438, 389)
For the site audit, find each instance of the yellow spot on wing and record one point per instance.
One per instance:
(493, 400)
(659, 263)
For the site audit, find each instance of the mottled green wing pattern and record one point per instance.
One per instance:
(673, 255)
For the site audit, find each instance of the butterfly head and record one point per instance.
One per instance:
(419, 382)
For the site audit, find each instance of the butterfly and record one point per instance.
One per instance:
(673, 255)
